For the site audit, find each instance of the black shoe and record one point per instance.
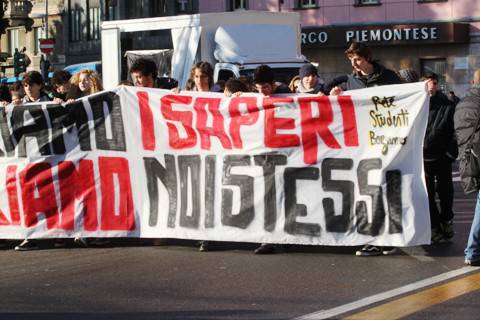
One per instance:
(265, 248)
(204, 246)
(369, 251)
(447, 229)
(27, 245)
(60, 243)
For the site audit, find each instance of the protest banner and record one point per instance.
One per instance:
(137, 162)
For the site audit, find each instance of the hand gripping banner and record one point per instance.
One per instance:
(136, 162)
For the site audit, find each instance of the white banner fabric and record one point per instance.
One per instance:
(300, 169)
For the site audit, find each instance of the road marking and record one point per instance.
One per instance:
(334, 312)
(419, 301)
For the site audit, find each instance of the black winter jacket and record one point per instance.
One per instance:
(380, 76)
(440, 134)
(467, 114)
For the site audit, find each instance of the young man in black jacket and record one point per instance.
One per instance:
(367, 73)
(439, 151)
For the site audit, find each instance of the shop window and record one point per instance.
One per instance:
(38, 33)
(367, 2)
(307, 4)
(233, 5)
(437, 66)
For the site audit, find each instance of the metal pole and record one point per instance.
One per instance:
(46, 36)
(46, 18)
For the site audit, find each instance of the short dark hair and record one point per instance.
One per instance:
(60, 77)
(263, 74)
(360, 49)
(144, 66)
(430, 76)
(32, 77)
(236, 85)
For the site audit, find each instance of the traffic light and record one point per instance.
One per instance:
(19, 63)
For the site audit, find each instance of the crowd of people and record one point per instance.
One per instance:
(440, 143)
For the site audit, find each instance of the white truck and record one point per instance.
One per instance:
(235, 43)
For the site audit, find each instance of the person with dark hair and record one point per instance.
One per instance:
(234, 86)
(264, 81)
(33, 86)
(60, 83)
(144, 74)
(439, 151)
(202, 76)
(310, 82)
(367, 73)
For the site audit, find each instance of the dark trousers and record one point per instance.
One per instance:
(438, 177)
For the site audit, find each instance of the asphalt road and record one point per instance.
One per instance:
(132, 280)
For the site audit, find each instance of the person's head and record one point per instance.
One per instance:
(264, 79)
(17, 97)
(476, 77)
(87, 81)
(309, 75)
(202, 76)
(360, 57)
(293, 85)
(32, 84)
(144, 72)
(60, 81)
(234, 85)
(408, 75)
(432, 83)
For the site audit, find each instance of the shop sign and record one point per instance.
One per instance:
(385, 34)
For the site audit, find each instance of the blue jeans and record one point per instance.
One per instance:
(472, 251)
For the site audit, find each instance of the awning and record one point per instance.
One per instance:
(94, 65)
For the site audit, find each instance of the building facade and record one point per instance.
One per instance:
(442, 36)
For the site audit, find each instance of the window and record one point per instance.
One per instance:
(237, 5)
(38, 33)
(94, 20)
(84, 17)
(13, 41)
(111, 10)
(184, 6)
(437, 66)
(158, 8)
(77, 19)
(367, 2)
(306, 4)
